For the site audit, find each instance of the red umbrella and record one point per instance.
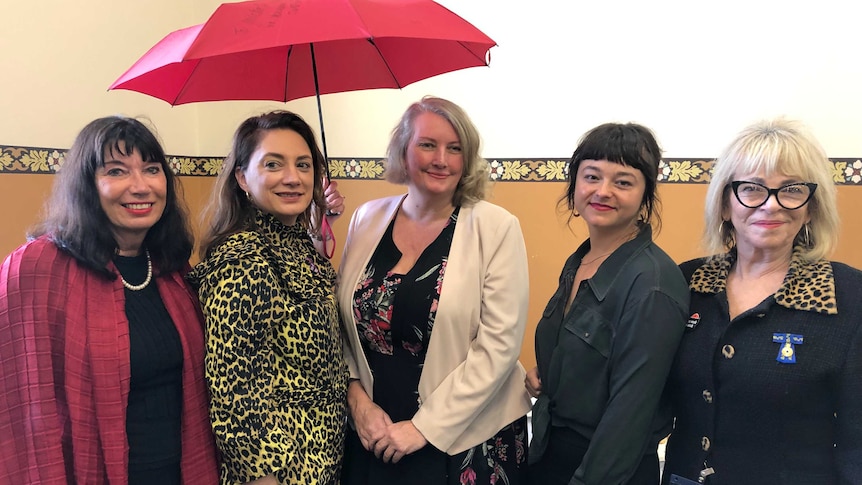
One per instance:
(287, 49)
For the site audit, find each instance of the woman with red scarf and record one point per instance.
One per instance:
(101, 340)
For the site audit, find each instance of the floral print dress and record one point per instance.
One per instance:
(395, 317)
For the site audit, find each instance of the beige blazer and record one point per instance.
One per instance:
(472, 384)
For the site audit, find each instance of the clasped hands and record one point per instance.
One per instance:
(387, 440)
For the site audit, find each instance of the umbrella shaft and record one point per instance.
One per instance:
(319, 111)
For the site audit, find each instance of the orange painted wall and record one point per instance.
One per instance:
(549, 241)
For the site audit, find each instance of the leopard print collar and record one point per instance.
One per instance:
(263, 231)
(276, 231)
(807, 286)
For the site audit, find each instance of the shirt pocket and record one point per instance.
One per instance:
(589, 327)
(583, 365)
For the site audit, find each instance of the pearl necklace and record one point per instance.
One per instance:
(146, 281)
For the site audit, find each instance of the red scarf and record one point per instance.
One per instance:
(64, 355)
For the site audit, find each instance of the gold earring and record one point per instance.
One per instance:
(728, 238)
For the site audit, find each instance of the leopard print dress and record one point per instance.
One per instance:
(274, 362)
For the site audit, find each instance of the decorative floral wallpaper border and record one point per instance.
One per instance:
(845, 171)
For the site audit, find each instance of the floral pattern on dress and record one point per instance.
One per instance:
(373, 309)
(395, 316)
(500, 459)
(374, 302)
(436, 297)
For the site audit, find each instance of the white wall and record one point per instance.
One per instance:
(695, 72)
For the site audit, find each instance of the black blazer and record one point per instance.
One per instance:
(755, 419)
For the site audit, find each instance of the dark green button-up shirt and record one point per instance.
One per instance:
(604, 362)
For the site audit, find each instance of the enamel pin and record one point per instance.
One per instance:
(693, 320)
(787, 352)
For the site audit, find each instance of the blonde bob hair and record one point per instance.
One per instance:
(782, 147)
(474, 182)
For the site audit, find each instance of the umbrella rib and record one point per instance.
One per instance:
(392, 74)
(385, 62)
(186, 84)
(473, 54)
(286, 70)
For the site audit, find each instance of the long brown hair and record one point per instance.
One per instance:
(229, 211)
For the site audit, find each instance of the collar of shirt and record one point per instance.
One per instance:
(603, 280)
(803, 279)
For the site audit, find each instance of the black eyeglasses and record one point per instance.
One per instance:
(790, 196)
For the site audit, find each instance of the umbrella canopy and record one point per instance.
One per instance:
(286, 49)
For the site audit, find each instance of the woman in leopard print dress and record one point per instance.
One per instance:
(274, 363)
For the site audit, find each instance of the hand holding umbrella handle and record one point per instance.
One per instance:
(334, 199)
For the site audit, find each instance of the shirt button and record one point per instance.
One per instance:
(707, 396)
(728, 351)
(586, 334)
(704, 443)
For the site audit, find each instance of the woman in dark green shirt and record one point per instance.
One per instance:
(607, 337)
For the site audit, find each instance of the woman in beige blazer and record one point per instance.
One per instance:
(446, 406)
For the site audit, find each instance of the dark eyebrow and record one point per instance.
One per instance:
(594, 168)
(116, 161)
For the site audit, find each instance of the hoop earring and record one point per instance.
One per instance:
(806, 237)
(643, 217)
(576, 214)
(727, 239)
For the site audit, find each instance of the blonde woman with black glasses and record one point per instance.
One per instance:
(767, 383)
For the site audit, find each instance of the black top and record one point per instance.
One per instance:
(756, 406)
(153, 415)
(604, 363)
(395, 318)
